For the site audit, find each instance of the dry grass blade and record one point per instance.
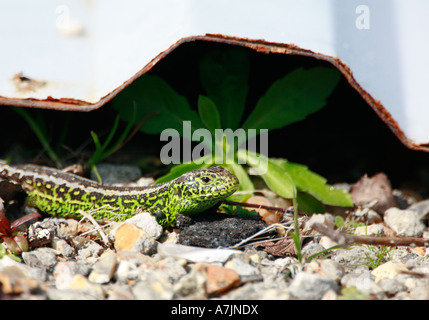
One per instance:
(282, 228)
(260, 233)
(98, 228)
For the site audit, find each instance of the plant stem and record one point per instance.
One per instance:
(295, 233)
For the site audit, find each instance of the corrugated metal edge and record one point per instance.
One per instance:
(258, 45)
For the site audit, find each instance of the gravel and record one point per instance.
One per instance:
(143, 261)
(78, 269)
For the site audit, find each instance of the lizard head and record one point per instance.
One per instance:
(196, 191)
(206, 187)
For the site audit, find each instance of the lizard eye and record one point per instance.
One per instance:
(159, 214)
(205, 179)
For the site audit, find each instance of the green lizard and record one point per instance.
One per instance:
(64, 194)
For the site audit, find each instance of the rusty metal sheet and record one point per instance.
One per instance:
(77, 55)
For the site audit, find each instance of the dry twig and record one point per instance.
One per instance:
(347, 239)
(98, 228)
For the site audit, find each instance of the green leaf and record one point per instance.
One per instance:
(111, 134)
(242, 176)
(309, 181)
(208, 113)
(276, 177)
(309, 204)
(152, 95)
(238, 197)
(224, 76)
(293, 98)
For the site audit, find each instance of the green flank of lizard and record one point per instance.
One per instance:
(63, 194)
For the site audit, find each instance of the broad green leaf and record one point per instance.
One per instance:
(245, 183)
(242, 176)
(224, 76)
(293, 98)
(153, 96)
(208, 113)
(308, 181)
(276, 177)
(309, 204)
(241, 197)
(182, 168)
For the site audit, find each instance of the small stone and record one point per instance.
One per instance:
(132, 238)
(136, 258)
(331, 269)
(71, 285)
(195, 254)
(355, 256)
(404, 222)
(326, 219)
(220, 279)
(68, 228)
(169, 237)
(192, 285)
(104, 268)
(362, 280)
(154, 285)
(311, 286)
(330, 295)
(42, 231)
(44, 258)
(388, 270)
(81, 284)
(370, 230)
(12, 282)
(246, 271)
(174, 268)
(267, 290)
(421, 207)
(280, 268)
(120, 292)
(327, 242)
(80, 242)
(421, 251)
(7, 264)
(375, 192)
(65, 271)
(129, 263)
(420, 293)
(311, 249)
(391, 286)
(148, 223)
(63, 247)
(90, 252)
(325, 267)
(144, 181)
(368, 215)
(69, 295)
(125, 271)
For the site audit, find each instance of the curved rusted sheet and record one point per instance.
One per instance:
(79, 55)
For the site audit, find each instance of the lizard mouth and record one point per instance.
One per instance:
(218, 192)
